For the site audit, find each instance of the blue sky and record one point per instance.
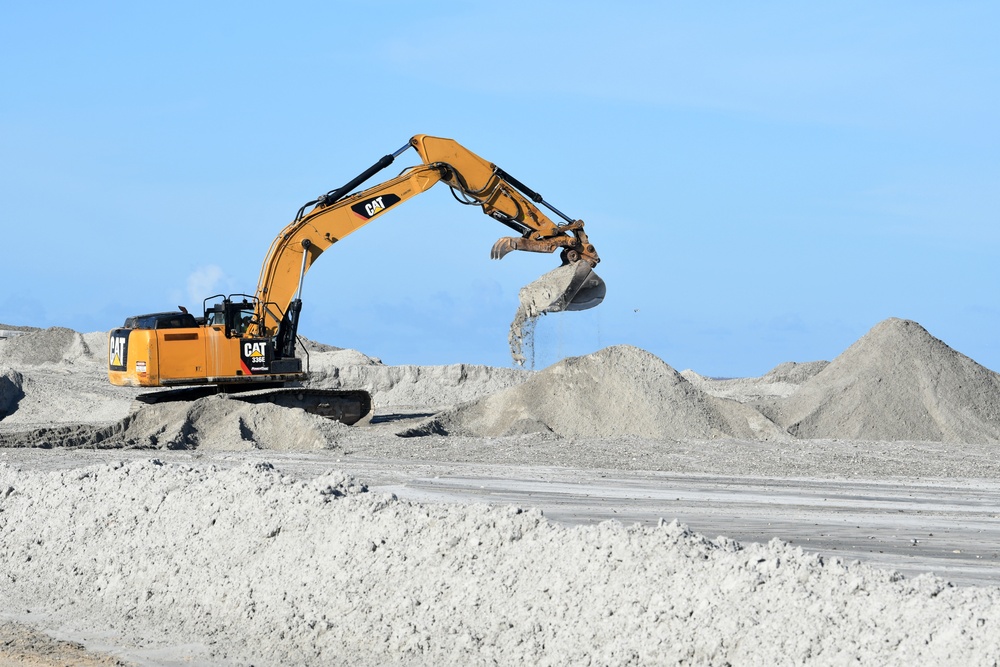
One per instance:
(764, 181)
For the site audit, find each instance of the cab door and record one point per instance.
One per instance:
(221, 352)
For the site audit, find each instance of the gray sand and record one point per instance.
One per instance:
(618, 391)
(11, 392)
(898, 383)
(408, 385)
(252, 564)
(213, 423)
(261, 568)
(537, 298)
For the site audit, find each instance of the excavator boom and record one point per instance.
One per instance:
(474, 180)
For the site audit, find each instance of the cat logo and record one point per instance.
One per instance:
(254, 350)
(369, 208)
(255, 356)
(118, 350)
(374, 206)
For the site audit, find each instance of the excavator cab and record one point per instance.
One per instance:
(235, 317)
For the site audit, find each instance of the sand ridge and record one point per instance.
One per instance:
(252, 564)
(214, 423)
(260, 567)
(898, 382)
(409, 385)
(617, 391)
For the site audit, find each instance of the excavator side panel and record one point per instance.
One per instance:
(147, 357)
(193, 355)
(206, 355)
(132, 358)
(181, 353)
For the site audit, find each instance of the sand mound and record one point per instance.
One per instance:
(11, 392)
(780, 382)
(795, 372)
(12, 330)
(310, 345)
(57, 345)
(898, 382)
(216, 423)
(421, 386)
(324, 362)
(54, 395)
(616, 391)
(253, 566)
(62, 379)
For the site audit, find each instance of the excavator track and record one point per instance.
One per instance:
(348, 406)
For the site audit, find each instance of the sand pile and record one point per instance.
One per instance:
(251, 566)
(54, 395)
(216, 422)
(60, 377)
(618, 391)
(21, 646)
(897, 382)
(57, 345)
(421, 386)
(11, 392)
(11, 330)
(780, 382)
(794, 373)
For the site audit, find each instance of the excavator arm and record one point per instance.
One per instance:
(472, 179)
(506, 199)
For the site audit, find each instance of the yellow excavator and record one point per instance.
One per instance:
(244, 345)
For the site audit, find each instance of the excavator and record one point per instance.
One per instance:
(245, 345)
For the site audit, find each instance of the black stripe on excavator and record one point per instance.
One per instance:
(523, 230)
(337, 194)
(372, 206)
(118, 349)
(256, 355)
(531, 194)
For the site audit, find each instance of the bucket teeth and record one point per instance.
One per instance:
(503, 247)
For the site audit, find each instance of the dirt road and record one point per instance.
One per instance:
(946, 526)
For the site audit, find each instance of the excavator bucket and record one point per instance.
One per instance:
(585, 290)
(572, 286)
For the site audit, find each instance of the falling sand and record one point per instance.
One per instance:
(569, 287)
